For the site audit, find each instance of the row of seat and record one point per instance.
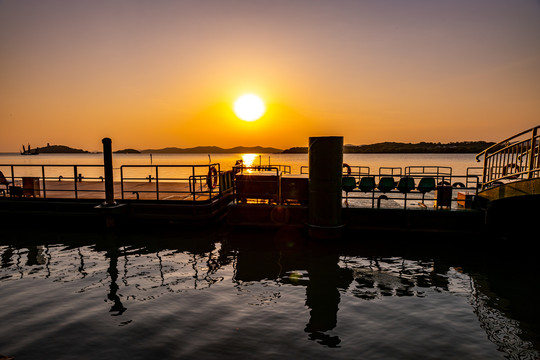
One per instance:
(406, 184)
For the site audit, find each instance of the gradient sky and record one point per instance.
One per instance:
(151, 74)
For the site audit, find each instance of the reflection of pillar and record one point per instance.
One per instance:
(113, 254)
(6, 257)
(322, 294)
(35, 256)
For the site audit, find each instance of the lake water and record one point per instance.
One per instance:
(458, 162)
(223, 293)
(220, 293)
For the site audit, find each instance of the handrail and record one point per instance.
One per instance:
(356, 170)
(512, 161)
(464, 183)
(505, 141)
(87, 181)
(191, 179)
(42, 188)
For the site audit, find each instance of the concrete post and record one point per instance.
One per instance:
(108, 168)
(325, 177)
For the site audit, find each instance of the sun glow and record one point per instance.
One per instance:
(249, 107)
(249, 159)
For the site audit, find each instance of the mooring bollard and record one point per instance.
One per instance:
(108, 169)
(325, 177)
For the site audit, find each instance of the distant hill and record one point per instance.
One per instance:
(396, 147)
(58, 149)
(213, 150)
(127, 151)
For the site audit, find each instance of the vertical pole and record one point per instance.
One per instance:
(43, 176)
(325, 178)
(122, 181)
(484, 171)
(75, 180)
(532, 154)
(157, 183)
(108, 169)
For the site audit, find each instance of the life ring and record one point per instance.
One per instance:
(346, 166)
(458, 185)
(212, 178)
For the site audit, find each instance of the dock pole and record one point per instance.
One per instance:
(108, 168)
(325, 177)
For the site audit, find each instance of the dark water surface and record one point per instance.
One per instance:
(171, 293)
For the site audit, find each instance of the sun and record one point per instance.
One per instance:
(249, 107)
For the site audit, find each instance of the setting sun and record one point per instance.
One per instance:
(249, 107)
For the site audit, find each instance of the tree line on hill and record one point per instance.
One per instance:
(58, 149)
(397, 147)
(383, 147)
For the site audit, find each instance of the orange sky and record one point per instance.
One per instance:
(152, 74)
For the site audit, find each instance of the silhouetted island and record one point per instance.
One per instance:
(58, 149)
(396, 147)
(127, 151)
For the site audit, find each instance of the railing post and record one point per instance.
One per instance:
(484, 171)
(157, 183)
(122, 181)
(108, 169)
(43, 175)
(75, 180)
(532, 154)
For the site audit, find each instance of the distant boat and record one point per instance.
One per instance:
(29, 151)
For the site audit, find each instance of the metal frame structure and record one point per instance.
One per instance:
(77, 176)
(513, 159)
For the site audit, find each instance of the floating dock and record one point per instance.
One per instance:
(418, 199)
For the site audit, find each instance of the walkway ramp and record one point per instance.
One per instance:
(512, 167)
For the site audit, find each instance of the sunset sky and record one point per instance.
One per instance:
(152, 74)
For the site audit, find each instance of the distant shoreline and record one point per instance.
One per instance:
(466, 147)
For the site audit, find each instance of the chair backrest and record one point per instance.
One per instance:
(367, 183)
(386, 183)
(3, 179)
(406, 184)
(426, 184)
(348, 183)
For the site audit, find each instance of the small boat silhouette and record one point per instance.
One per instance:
(29, 151)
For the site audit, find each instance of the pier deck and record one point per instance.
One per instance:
(132, 190)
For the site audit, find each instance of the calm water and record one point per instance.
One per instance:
(458, 162)
(223, 293)
(178, 293)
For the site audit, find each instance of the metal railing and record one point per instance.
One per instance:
(62, 181)
(284, 169)
(356, 171)
(172, 182)
(255, 188)
(513, 159)
(453, 184)
(44, 177)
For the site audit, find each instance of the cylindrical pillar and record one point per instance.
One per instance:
(108, 168)
(325, 177)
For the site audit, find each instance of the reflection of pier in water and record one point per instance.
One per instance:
(143, 267)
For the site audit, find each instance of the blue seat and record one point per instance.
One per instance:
(348, 183)
(406, 184)
(426, 184)
(386, 183)
(367, 184)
